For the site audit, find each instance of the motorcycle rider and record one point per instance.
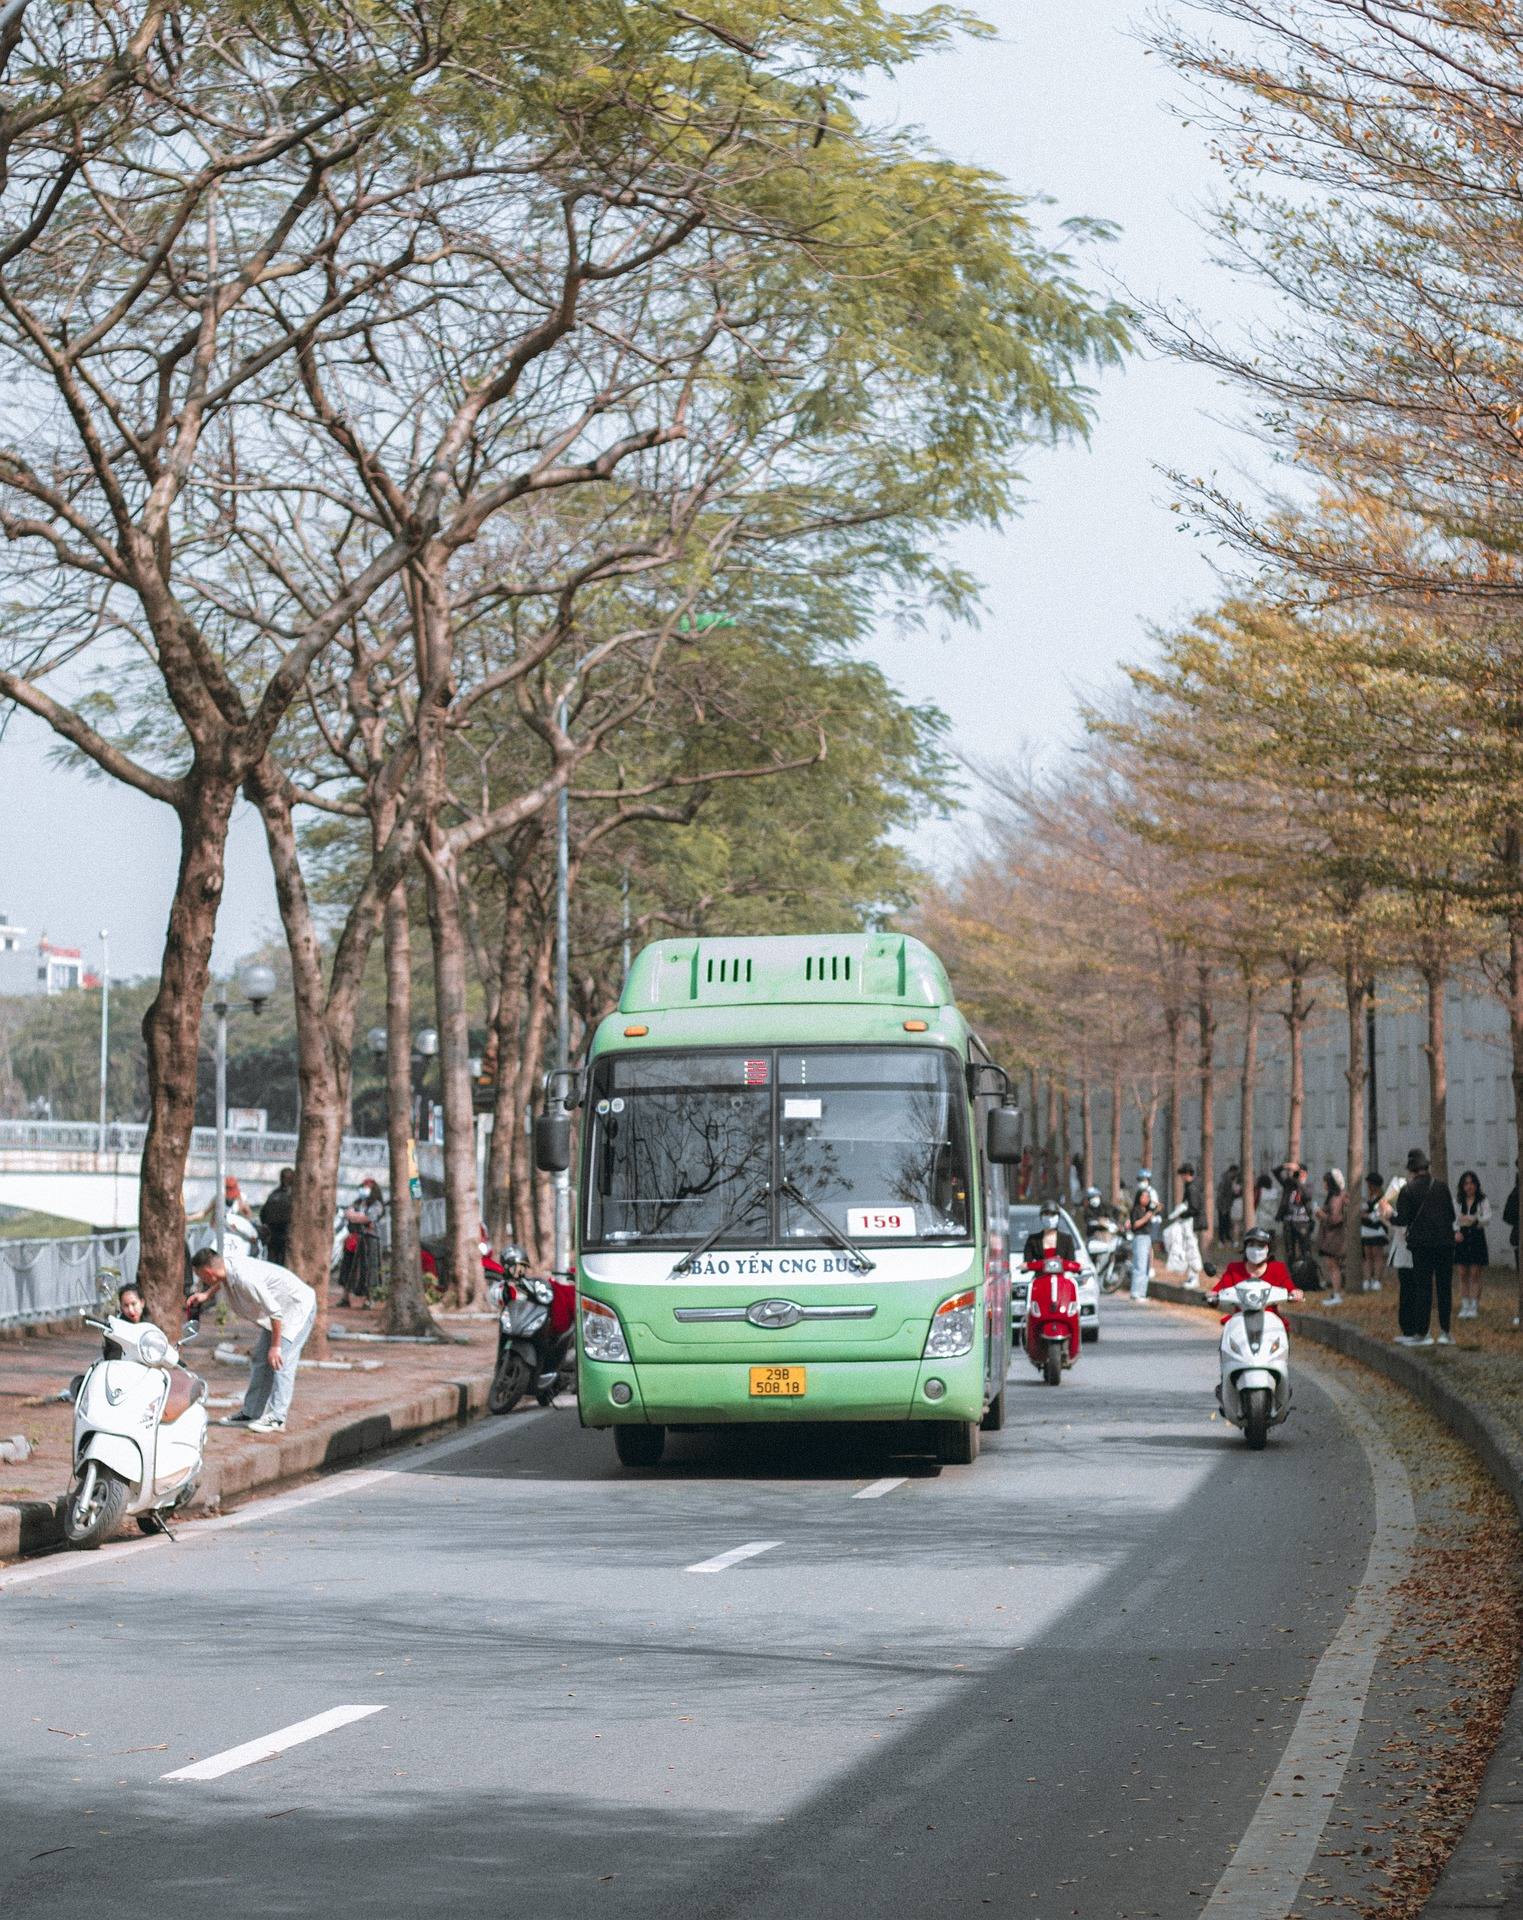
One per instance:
(1095, 1210)
(1049, 1237)
(1257, 1265)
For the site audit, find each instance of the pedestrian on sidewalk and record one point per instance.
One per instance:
(1181, 1238)
(1374, 1235)
(1141, 1216)
(282, 1306)
(1426, 1210)
(1297, 1213)
(1471, 1253)
(360, 1269)
(275, 1217)
(1229, 1190)
(1332, 1231)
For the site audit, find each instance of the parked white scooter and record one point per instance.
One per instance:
(1254, 1392)
(139, 1435)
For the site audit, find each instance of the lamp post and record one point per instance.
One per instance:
(562, 1003)
(105, 1025)
(425, 1045)
(258, 984)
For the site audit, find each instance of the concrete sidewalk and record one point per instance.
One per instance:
(370, 1395)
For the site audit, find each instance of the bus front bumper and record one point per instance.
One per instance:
(695, 1393)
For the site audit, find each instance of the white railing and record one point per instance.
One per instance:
(84, 1136)
(55, 1279)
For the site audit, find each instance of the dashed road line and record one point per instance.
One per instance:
(272, 1745)
(735, 1555)
(878, 1488)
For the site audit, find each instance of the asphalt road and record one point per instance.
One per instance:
(1052, 1683)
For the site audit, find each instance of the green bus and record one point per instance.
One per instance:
(791, 1197)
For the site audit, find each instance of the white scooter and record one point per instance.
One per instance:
(1254, 1392)
(139, 1435)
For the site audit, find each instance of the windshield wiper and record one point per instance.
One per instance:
(832, 1232)
(733, 1218)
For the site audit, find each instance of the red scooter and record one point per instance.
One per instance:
(1052, 1316)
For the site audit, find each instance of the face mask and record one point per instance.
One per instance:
(1256, 1256)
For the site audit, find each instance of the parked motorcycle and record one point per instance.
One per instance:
(1052, 1316)
(1254, 1390)
(139, 1434)
(536, 1349)
(1104, 1244)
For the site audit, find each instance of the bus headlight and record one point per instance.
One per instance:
(602, 1336)
(951, 1328)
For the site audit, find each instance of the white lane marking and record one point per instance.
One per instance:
(272, 1746)
(1275, 1854)
(723, 1560)
(878, 1488)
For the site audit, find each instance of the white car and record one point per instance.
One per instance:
(1026, 1218)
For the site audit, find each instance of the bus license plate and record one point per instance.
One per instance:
(779, 1383)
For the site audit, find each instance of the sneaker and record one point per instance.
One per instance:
(1423, 1340)
(1411, 1340)
(1373, 1287)
(236, 1420)
(267, 1426)
(1335, 1299)
(1445, 1340)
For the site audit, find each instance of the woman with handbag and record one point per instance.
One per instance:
(360, 1269)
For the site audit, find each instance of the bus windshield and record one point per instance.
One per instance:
(874, 1136)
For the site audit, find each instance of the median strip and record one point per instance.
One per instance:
(734, 1556)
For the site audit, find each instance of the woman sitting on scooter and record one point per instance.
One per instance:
(1257, 1265)
(130, 1305)
(1049, 1237)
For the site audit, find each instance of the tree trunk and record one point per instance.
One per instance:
(1248, 1089)
(1353, 991)
(1515, 1033)
(406, 1295)
(1205, 1014)
(507, 1113)
(526, 1183)
(172, 1034)
(1051, 1183)
(323, 1062)
(1115, 1192)
(1437, 980)
(1065, 1146)
(462, 1200)
(1174, 1018)
(1295, 1018)
(1087, 1131)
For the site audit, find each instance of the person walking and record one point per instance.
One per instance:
(275, 1217)
(1181, 1237)
(360, 1269)
(1141, 1216)
(1425, 1209)
(1332, 1231)
(1471, 1253)
(282, 1306)
(1374, 1235)
(1229, 1190)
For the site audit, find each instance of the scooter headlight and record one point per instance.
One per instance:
(951, 1328)
(602, 1336)
(153, 1347)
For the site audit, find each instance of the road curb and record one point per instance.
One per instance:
(31, 1526)
(1484, 1874)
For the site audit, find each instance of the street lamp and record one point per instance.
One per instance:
(425, 1045)
(105, 1025)
(376, 1041)
(258, 985)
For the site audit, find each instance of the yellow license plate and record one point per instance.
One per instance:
(779, 1383)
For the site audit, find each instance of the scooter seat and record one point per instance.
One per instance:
(185, 1389)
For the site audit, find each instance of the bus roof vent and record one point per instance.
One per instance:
(889, 968)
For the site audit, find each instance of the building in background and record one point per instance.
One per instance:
(27, 968)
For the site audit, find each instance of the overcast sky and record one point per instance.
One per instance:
(1066, 103)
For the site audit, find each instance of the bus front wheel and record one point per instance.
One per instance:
(957, 1442)
(639, 1446)
(994, 1413)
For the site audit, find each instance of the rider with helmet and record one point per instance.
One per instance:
(1049, 1237)
(1257, 1265)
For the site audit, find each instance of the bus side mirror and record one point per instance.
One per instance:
(552, 1142)
(1003, 1141)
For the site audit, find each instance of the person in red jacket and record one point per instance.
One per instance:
(1257, 1265)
